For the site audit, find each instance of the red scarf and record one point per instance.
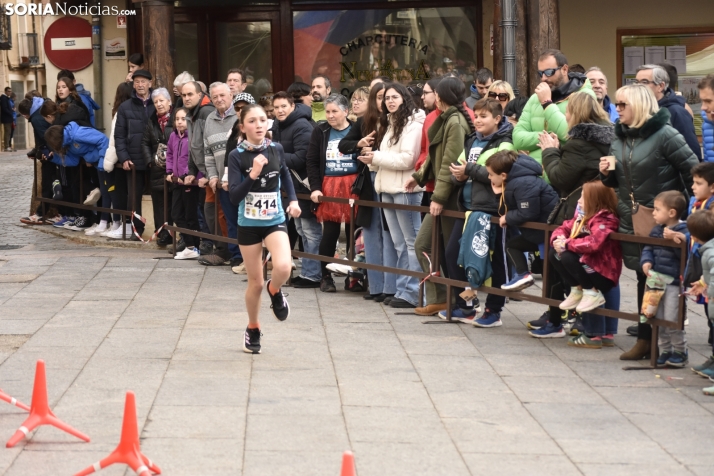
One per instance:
(163, 120)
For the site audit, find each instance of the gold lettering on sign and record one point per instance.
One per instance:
(384, 68)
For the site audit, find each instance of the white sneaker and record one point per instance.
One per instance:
(341, 269)
(98, 230)
(238, 269)
(117, 234)
(114, 226)
(591, 300)
(93, 197)
(573, 299)
(91, 230)
(188, 253)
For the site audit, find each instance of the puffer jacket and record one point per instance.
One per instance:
(446, 144)
(535, 119)
(132, 116)
(664, 259)
(577, 162)
(658, 159)
(707, 138)
(706, 251)
(527, 196)
(76, 112)
(110, 158)
(82, 143)
(681, 120)
(149, 145)
(196, 121)
(483, 198)
(395, 162)
(592, 243)
(294, 135)
(86, 98)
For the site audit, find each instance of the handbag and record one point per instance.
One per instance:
(642, 219)
(553, 217)
(160, 157)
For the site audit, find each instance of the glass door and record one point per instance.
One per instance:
(186, 59)
(246, 45)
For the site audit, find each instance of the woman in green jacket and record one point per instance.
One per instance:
(651, 157)
(446, 144)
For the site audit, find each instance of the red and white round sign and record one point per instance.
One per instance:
(68, 43)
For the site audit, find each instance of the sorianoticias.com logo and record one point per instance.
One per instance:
(63, 9)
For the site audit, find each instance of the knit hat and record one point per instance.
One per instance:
(245, 97)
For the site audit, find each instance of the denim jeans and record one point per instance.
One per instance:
(403, 228)
(231, 213)
(311, 232)
(379, 250)
(598, 326)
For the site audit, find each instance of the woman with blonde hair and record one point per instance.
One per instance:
(501, 91)
(569, 166)
(651, 158)
(358, 103)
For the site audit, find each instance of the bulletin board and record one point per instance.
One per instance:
(691, 50)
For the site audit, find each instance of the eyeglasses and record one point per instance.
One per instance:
(354, 100)
(500, 96)
(620, 105)
(425, 92)
(392, 98)
(548, 72)
(642, 81)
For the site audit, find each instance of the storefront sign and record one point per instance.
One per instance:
(386, 39)
(115, 49)
(384, 69)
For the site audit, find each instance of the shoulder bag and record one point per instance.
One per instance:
(642, 219)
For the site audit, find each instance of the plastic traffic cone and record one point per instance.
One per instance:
(128, 451)
(12, 401)
(348, 464)
(40, 413)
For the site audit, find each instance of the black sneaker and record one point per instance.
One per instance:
(577, 326)
(401, 304)
(251, 342)
(383, 297)
(539, 323)
(632, 330)
(304, 283)
(206, 248)
(164, 238)
(327, 285)
(279, 305)
(57, 190)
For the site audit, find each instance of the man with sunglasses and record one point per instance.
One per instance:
(479, 89)
(656, 78)
(545, 110)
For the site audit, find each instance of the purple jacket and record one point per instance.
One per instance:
(177, 154)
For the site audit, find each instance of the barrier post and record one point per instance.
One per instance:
(435, 268)
(81, 181)
(351, 238)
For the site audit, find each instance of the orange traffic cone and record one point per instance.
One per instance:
(12, 401)
(128, 451)
(348, 464)
(40, 413)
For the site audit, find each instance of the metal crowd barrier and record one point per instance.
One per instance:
(435, 256)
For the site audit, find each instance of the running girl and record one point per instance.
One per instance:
(256, 173)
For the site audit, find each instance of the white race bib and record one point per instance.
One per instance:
(261, 206)
(474, 154)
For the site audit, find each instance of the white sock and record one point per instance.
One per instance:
(574, 290)
(102, 226)
(115, 225)
(591, 292)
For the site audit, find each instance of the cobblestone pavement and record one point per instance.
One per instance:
(341, 373)
(15, 192)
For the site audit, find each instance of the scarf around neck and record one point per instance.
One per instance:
(248, 147)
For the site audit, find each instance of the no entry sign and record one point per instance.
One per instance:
(68, 43)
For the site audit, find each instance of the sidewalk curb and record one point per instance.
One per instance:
(81, 238)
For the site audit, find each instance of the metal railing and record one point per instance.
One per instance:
(435, 255)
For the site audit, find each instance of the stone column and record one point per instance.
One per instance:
(159, 45)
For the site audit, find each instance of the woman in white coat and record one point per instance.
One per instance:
(401, 126)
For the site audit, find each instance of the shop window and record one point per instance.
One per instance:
(410, 45)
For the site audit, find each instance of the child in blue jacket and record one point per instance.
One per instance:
(525, 197)
(73, 142)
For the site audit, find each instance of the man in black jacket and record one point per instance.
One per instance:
(30, 110)
(132, 117)
(656, 78)
(6, 119)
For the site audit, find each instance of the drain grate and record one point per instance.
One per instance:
(10, 247)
